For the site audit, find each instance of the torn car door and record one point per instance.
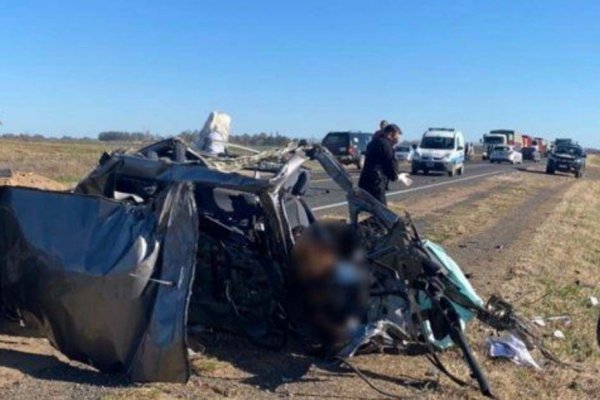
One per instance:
(108, 283)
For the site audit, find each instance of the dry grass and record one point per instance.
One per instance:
(495, 198)
(559, 271)
(557, 268)
(65, 162)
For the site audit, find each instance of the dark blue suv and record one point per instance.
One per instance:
(567, 158)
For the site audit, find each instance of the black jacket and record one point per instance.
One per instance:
(380, 164)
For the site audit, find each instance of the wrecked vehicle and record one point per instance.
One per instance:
(161, 239)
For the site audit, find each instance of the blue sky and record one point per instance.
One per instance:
(301, 68)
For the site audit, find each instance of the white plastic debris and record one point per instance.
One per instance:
(511, 347)
(565, 319)
(593, 301)
(404, 178)
(558, 335)
(539, 321)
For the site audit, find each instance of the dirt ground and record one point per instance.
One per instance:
(513, 234)
(32, 180)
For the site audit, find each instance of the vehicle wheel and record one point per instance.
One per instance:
(451, 173)
(550, 171)
(579, 174)
(461, 170)
(414, 171)
(425, 172)
(361, 162)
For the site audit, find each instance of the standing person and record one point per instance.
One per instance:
(215, 134)
(382, 126)
(381, 166)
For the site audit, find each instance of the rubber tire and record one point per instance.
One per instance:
(461, 171)
(451, 173)
(414, 171)
(550, 171)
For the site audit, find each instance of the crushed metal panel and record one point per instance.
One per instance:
(107, 283)
(103, 180)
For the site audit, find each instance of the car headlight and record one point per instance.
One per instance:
(446, 157)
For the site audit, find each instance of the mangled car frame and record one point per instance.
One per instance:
(161, 239)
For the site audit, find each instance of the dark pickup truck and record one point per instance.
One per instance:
(567, 158)
(348, 147)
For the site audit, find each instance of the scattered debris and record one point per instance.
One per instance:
(565, 319)
(511, 347)
(558, 335)
(539, 321)
(593, 301)
(500, 247)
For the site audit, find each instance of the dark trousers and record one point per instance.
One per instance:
(377, 191)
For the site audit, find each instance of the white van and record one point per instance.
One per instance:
(441, 149)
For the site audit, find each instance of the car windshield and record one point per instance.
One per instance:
(403, 149)
(493, 140)
(363, 139)
(336, 139)
(502, 148)
(569, 150)
(437, 142)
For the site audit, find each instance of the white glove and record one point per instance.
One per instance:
(404, 178)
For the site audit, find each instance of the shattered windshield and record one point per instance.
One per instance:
(437, 143)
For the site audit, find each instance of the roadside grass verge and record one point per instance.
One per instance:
(503, 194)
(63, 161)
(557, 270)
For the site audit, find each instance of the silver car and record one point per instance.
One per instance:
(404, 153)
(504, 153)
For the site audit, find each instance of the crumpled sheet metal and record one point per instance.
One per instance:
(107, 283)
(101, 180)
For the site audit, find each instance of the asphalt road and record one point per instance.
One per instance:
(324, 195)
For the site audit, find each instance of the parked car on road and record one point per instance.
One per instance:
(404, 152)
(531, 154)
(441, 149)
(508, 154)
(348, 147)
(569, 158)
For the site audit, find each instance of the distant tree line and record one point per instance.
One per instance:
(256, 139)
(29, 137)
(122, 136)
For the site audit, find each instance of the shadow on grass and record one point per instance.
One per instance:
(270, 369)
(47, 367)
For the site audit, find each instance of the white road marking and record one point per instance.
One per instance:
(417, 189)
(357, 174)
